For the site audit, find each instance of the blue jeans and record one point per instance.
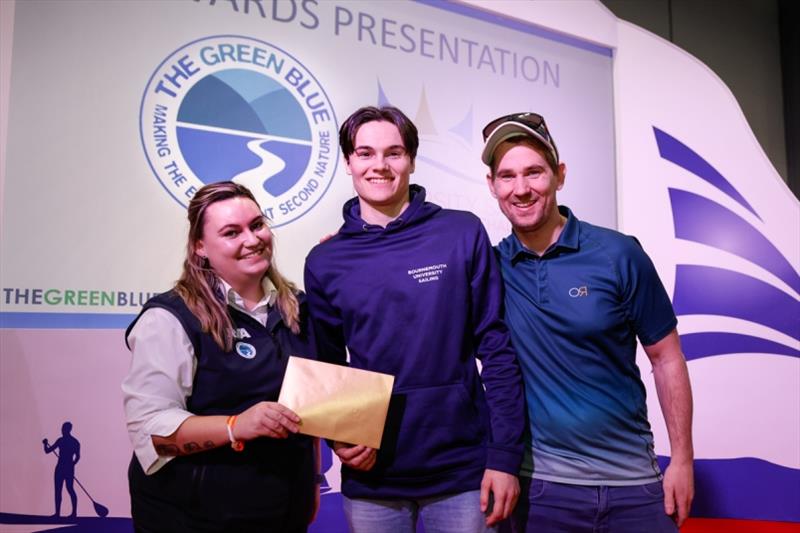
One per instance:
(451, 513)
(545, 507)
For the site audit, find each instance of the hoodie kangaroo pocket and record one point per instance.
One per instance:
(431, 429)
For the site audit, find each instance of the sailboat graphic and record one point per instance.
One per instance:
(738, 299)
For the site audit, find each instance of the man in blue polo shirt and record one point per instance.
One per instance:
(577, 296)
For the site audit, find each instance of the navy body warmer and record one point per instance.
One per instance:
(269, 484)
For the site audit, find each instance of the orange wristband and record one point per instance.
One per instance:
(235, 444)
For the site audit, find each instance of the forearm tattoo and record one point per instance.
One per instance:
(167, 449)
(188, 448)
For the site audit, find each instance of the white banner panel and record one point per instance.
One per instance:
(120, 110)
(722, 228)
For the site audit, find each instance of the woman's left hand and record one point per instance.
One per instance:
(266, 419)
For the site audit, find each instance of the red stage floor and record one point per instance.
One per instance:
(712, 525)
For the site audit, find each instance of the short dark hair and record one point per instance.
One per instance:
(408, 131)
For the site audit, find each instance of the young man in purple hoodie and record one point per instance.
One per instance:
(412, 290)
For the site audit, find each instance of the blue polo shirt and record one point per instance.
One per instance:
(574, 314)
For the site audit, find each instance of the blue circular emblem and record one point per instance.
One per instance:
(230, 107)
(248, 351)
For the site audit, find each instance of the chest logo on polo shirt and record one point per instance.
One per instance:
(579, 292)
(248, 351)
(428, 273)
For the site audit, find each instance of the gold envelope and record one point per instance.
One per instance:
(337, 402)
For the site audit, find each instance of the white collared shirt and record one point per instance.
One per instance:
(162, 373)
(259, 312)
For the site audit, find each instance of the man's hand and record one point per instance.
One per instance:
(356, 457)
(674, 390)
(505, 490)
(678, 490)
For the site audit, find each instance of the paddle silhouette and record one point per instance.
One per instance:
(64, 474)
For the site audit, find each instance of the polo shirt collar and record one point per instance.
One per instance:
(568, 240)
(570, 235)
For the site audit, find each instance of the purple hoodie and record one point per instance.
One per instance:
(420, 300)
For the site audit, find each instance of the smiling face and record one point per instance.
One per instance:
(237, 242)
(381, 167)
(525, 187)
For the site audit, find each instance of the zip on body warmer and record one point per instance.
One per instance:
(270, 483)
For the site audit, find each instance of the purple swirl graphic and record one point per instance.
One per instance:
(701, 220)
(676, 152)
(705, 290)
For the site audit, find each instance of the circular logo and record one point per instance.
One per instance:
(248, 351)
(234, 108)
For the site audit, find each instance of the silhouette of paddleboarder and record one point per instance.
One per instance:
(69, 453)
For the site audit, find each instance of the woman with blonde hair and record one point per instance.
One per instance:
(213, 450)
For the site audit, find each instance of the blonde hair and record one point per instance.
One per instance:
(200, 287)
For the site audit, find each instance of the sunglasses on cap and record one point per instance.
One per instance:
(534, 121)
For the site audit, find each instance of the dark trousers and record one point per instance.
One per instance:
(549, 507)
(211, 494)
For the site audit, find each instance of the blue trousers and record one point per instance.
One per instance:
(548, 507)
(450, 513)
